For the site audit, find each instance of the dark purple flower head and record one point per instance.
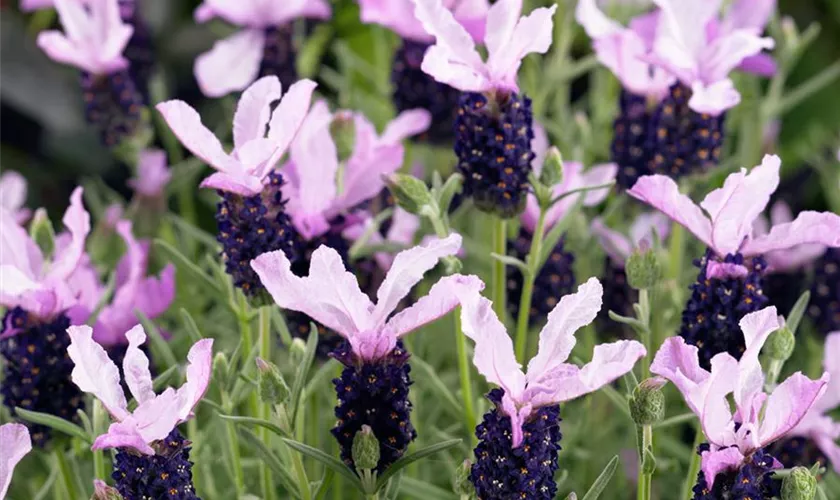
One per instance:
(166, 474)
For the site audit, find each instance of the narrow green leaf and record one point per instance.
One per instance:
(191, 326)
(603, 479)
(450, 188)
(421, 490)
(186, 266)
(438, 385)
(327, 460)
(393, 487)
(54, 422)
(413, 457)
(796, 313)
(254, 421)
(511, 261)
(303, 370)
(632, 322)
(556, 232)
(324, 485)
(280, 469)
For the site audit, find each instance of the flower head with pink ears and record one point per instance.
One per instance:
(817, 425)
(549, 379)
(15, 443)
(619, 246)
(453, 59)
(760, 418)
(701, 49)
(331, 294)
(27, 279)
(313, 166)
(13, 195)
(788, 259)
(156, 414)
(255, 153)
(152, 174)
(94, 36)
(234, 62)
(730, 211)
(398, 15)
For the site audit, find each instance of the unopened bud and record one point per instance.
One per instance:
(780, 344)
(463, 486)
(343, 132)
(643, 269)
(365, 451)
(647, 406)
(297, 351)
(102, 491)
(273, 388)
(800, 484)
(411, 193)
(41, 230)
(552, 169)
(221, 367)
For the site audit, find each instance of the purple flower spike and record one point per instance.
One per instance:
(15, 443)
(258, 49)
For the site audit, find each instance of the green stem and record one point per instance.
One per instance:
(235, 458)
(693, 468)
(300, 472)
(499, 278)
(264, 324)
(466, 378)
(99, 470)
(528, 289)
(66, 475)
(644, 305)
(647, 442)
(676, 253)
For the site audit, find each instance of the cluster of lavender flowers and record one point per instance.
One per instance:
(317, 230)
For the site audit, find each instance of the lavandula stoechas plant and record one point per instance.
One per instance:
(15, 443)
(373, 387)
(673, 64)
(735, 463)
(494, 126)
(520, 437)
(94, 41)
(152, 459)
(412, 87)
(556, 277)
(251, 215)
(729, 284)
(263, 47)
(40, 305)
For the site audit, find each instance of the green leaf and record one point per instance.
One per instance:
(54, 422)
(421, 490)
(193, 232)
(393, 487)
(303, 370)
(254, 421)
(162, 380)
(324, 485)
(556, 232)
(796, 313)
(511, 261)
(450, 188)
(413, 457)
(280, 469)
(637, 325)
(438, 385)
(191, 326)
(327, 460)
(186, 266)
(603, 479)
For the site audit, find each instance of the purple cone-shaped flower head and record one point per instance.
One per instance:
(454, 60)
(234, 62)
(619, 246)
(331, 296)
(13, 195)
(152, 174)
(724, 220)
(788, 259)
(314, 165)
(156, 414)
(760, 418)
(245, 170)
(15, 443)
(549, 380)
(94, 36)
(701, 49)
(398, 15)
(28, 280)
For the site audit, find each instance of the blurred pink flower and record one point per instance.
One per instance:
(152, 173)
(13, 195)
(398, 15)
(619, 246)
(15, 443)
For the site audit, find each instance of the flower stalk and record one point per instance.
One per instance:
(533, 268)
(499, 278)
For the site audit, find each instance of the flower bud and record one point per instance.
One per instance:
(365, 449)
(273, 388)
(643, 269)
(343, 131)
(780, 344)
(42, 232)
(411, 193)
(296, 351)
(463, 486)
(799, 485)
(221, 367)
(102, 491)
(552, 169)
(647, 406)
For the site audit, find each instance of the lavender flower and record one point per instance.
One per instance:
(15, 443)
(825, 292)
(264, 47)
(373, 388)
(519, 438)
(730, 281)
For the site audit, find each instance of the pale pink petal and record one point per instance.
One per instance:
(472, 14)
(715, 462)
(540, 145)
(29, 6)
(788, 404)
(407, 270)
(728, 51)
(155, 295)
(517, 416)
(557, 338)
(598, 176)
(646, 224)
(757, 327)
(199, 371)
(748, 14)
(156, 418)
(821, 228)
(287, 120)
(439, 63)
(407, 124)
(830, 449)
(254, 110)
(683, 30)
(136, 366)
(760, 64)
(616, 245)
(239, 12)
(329, 295)
(713, 99)
(17, 250)
(723, 270)
(186, 125)
(60, 49)
(622, 53)
(501, 23)
(153, 173)
(662, 193)
(444, 296)
(397, 15)
(94, 372)
(716, 415)
(77, 221)
(12, 190)
(680, 364)
(831, 363)
(15, 443)
(231, 65)
(123, 435)
(533, 34)
(594, 21)
(239, 183)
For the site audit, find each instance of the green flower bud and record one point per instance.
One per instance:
(780, 344)
(221, 367)
(643, 269)
(343, 131)
(799, 485)
(462, 484)
(273, 388)
(365, 450)
(102, 491)
(411, 193)
(41, 230)
(296, 351)
(552, 169)
(647, 406)
(572, 496)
